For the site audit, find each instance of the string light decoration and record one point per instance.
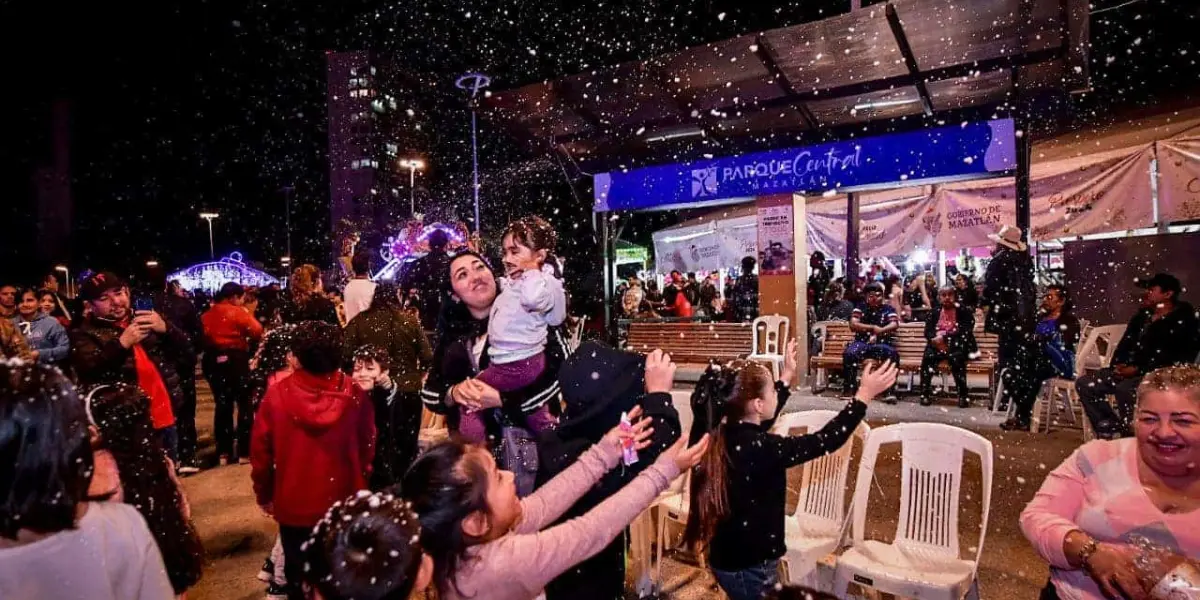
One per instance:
(210, 276)
(412, 242)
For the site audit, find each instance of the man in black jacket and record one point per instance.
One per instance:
(427, 277)
(115, 344)
(598, 385)
(177, 308)
(1009, 295)
(947, 330)
(1164, 332)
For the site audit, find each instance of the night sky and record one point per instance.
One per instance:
(180, 107)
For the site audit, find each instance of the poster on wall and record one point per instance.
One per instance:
(776, 245)
(1179, 178)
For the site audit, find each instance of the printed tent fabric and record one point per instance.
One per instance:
(1179, 177)
(1097, 193)
(716, 244)
(891, 222)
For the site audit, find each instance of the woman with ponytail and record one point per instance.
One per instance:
(739, 490)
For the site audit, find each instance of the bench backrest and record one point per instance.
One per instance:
(910, 340)
(718, 340)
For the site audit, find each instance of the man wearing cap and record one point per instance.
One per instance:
(116, 344)
(1009, 297)
(1164, 332)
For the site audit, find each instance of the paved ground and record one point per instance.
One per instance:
(237, 537)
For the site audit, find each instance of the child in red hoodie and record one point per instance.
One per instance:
(313, 442)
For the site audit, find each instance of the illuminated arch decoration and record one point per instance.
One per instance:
(413, 242)
(210, 276)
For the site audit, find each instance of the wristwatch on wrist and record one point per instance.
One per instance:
(1085, 553)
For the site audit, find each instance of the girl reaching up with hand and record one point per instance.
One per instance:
(485, 542)
(739, 491)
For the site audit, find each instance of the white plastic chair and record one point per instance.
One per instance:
(818, 525)
(673, 506)
(820, 377)
(769, 347)
(575, 335)
(923, 561)
(1088, 351)
(1111, 334)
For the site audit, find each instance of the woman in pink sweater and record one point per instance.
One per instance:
(1096, 514)
(487, 543)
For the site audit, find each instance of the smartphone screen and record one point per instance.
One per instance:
(143, 303)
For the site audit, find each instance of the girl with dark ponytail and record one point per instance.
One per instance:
(739, 489)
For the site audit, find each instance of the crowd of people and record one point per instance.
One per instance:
(554, 452)
(683, 297)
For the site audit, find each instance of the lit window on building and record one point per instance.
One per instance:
(392, 149)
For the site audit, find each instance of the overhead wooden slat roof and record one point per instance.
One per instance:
(887, 61)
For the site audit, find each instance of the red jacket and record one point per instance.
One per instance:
(230, 327)
(682, 307)
(313, 443)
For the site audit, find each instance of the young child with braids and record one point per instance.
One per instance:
(368, 547)
(739, 490)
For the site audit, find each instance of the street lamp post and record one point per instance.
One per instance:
(473, 82)
(413, 165)
(287, 204)
(209, 216)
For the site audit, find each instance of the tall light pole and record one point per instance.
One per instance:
(473, 82)
(209, 216)
(287, 216)
(414, 165)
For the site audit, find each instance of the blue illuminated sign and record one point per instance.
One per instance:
(940, 154)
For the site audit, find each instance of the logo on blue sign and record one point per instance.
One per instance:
(705, 182)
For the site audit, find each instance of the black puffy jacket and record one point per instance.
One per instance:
(97, 355)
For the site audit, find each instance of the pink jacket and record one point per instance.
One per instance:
(519, 565)
(1097, 490)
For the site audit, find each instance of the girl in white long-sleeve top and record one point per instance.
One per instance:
(532, 300)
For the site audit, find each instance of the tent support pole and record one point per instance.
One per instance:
(601, 220)
(852, 227)
(1024, 158)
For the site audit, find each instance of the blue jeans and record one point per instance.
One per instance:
(169, 438)
(857, 352)
(751, 583)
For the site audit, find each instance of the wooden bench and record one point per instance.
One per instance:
(910, 344)
(691, 342)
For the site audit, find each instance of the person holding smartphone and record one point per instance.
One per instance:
(117, 344)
